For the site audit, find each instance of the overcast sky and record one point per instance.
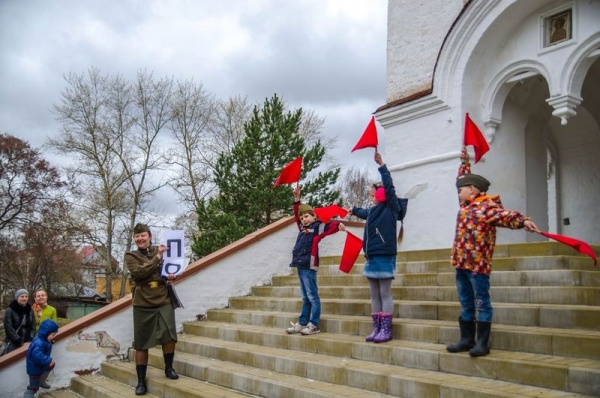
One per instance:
(325, 55)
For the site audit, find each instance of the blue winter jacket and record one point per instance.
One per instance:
(38, 353)
(380, 229)
(305, 253)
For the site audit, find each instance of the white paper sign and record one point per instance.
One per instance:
(174, 260)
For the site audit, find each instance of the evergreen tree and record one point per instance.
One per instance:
(246, 200)
(215, 227)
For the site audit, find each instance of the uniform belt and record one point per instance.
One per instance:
(152, 284)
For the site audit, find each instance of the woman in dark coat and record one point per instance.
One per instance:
(19, 323)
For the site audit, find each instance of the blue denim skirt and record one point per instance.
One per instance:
(380, 267)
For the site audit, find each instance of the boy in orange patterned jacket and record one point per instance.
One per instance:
(472, 251)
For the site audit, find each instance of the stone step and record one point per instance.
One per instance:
(376, 377)
(99, 386)
(515, 367)
(548, 341)
(263, 381)
(536, 249)
(187, 386)
(547, 315)
(330, 265)
(556, 277)
(571, 295)
(60, 394)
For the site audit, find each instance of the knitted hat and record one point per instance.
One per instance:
(476, 180)
(304, 208)
(20, 292)
(140, 228)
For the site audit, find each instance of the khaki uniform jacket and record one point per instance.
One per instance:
(149, 289)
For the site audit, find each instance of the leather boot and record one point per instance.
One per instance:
(385, 332)
(467, 337)
(483, 336)
(376, 326)
(43, 378)
(169, 371)
(141, 388)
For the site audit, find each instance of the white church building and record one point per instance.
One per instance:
(528, 74)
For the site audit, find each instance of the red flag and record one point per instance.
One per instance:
(352, 249)
(576, 244)
(369, 137)
(327, 213)
(290, 173)
(473, 136)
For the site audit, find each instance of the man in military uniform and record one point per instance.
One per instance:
(153, 310)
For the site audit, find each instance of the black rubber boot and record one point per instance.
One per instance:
(467, 337)
(141, 388)
(43, 379)
(483, 336)
(169, 371)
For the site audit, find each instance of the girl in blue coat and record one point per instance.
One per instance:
(39, 361)
(379, 245)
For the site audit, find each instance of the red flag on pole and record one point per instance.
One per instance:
(327, 213)
(290, 173)
(576, 244)
(368, 138)
(352, 249)
(473, 136)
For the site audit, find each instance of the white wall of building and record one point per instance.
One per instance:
(416, 30)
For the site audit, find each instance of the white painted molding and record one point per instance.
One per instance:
(430, 160)
(452, 56)
(491, 126)
(501, 84)
(411, 110)
(564, 106)
(574, 72)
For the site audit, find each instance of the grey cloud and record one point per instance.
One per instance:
(327, 64)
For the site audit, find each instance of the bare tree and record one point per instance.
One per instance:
(203, 129)
(38, 250)
(227, 127)
(110, 128)
(192, 112)
(26, 181)
(355, 187)
(139, 153)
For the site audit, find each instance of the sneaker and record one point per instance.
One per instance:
(295, 328)
(310, 329)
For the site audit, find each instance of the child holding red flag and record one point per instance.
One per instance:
(379, 245)
(472, 251)
(305, 257)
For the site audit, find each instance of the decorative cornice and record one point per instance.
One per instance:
(412, 110)
(564, 106)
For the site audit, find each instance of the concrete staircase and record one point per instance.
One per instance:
(545, 337)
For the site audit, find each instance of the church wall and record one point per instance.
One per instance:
(423, 136)
(426, 152)
(416, 30)
(536, 175)
(579, 175)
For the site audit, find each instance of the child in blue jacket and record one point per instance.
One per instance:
(380, 247)
(39, 361)
(305, 257)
